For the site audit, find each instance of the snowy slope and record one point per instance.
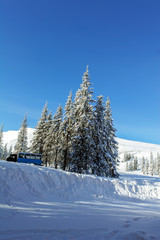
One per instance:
(10, 137)
(139, 149)
(44, 203)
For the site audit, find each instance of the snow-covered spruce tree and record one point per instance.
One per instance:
(157, 165)
(143, 165)
(127, 167)
(5, 152)
(40, 134)
(21, 144)
(82, 140)
(151, 164)
(100, 159)
(1, 142)
(47, 126)
(112, 144)
(131, 167)
(66, 133)
(147, 167)
(135, 164)
(10, 150)
(52, 140)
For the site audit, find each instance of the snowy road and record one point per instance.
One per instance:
(45, 204)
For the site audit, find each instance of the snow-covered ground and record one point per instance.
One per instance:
(47, 204)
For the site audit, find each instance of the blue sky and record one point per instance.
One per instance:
(45, 46)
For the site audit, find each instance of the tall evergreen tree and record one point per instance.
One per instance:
(158, 164)
(21, 144)
(147, 167)
(1, 141)
(66, 133)
(100, 159)
(151, 164)
(127, 166)
(143, 165)
(157, 170)
(5, 152)
(82, 140)
(112, 144)
(40, 134)
(47, 126)
(135, 164)
(52, 140)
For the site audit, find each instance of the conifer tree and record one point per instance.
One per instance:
(135, 164)
(82, 140)
(158, 164)
(131, 167)
(147, 167)
(10, 150)
(1, 141)
(157, 170)
(52, 140)
(100, 159)
(112, 144)
(21, 144)
(5, 152)
(151, 164)
(66, 132)
(143, 165)
(40, 134)
(48, 125)
(127, 167)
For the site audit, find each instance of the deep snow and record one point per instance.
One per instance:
(44, 203)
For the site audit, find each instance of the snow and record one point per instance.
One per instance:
(139, 149)
(42, 203)
(10, 137)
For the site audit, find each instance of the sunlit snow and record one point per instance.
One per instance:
(47, 204)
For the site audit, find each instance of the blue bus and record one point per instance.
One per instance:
(21, 157)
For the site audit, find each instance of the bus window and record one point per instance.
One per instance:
(28, 156)
(21, 155)
(32, 156)
(38, 157)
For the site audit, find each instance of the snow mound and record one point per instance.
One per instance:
(20, 181)
(44, 203)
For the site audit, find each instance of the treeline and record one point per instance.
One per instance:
(81, 140)
(4, 151)
(149, 166)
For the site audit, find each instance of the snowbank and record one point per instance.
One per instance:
(44, 203)
(27, 181)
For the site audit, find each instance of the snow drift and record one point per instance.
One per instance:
(21, 181)
(44, 203)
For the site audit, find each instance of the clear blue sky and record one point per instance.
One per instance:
(45, 46)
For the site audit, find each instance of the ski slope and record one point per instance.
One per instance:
(44, 203)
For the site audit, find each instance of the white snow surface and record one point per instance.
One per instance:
(42, 203)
